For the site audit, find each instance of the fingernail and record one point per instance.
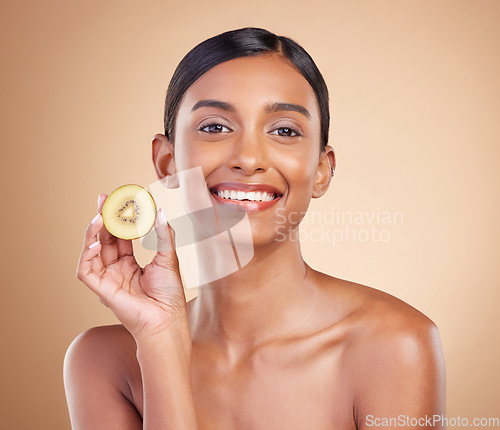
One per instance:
(163, 218)
(99, 200)
(93, 245)
(95, 218)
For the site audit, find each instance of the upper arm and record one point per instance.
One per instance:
(402, 383)
(93, 385)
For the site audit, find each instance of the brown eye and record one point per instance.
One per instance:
(214, 128)
(285, 132)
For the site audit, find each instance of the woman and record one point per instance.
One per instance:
(275, 344)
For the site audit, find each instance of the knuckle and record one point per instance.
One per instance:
(107, 239)
(170, 263)
(88, 230)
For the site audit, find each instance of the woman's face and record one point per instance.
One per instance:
(253, 126)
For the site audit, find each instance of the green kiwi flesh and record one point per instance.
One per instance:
(129, 212)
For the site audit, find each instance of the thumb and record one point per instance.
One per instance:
(166, 256)
(162, 277)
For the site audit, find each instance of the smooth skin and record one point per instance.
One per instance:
(274, 345)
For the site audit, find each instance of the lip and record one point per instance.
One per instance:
(245, 205)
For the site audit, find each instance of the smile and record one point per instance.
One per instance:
(253, 196)
(250, 197)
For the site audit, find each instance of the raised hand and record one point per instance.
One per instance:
(146, 300)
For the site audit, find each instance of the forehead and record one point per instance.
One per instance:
(251, 82)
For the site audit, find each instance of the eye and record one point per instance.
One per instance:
(286, 132)
(214, 128)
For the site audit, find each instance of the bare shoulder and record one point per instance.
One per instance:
(104, 352)
(105, 344)
(371, 313)
(381, 326)
(392, 350)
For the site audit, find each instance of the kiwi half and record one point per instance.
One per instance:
(129, 212)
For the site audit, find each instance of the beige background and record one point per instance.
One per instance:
(415, 95)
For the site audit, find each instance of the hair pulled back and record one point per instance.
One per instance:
(243, 42)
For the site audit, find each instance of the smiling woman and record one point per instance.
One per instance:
(274, 344)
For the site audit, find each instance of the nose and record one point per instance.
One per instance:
(249, 155)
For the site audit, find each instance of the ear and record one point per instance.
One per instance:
(163, 160)
(324, 174)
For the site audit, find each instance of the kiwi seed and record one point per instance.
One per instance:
(129, 212)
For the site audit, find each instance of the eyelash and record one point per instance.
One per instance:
(216, 124)
(292, 129)
(213, 124)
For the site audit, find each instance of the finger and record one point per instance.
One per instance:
(90, 261)
(123, 247)
(90, 271)
(170, 289)
(109, 246)
(92, 230)
(90, 267)
(166, 255)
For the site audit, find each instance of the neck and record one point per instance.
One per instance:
(266, 299)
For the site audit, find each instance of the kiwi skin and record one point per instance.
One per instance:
(119, 200)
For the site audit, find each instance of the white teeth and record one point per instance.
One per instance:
(255, 196)
(267, 197)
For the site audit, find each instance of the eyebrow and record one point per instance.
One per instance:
(274, 107)
(213, 103)
(278, 107)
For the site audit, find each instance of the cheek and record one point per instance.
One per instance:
(300, 175)
(189, 154)
(182, 153)
(185, 158)
(186, 155)
(299, 164)
(300, 170)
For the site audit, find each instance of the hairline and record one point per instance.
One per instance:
(279, 53)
